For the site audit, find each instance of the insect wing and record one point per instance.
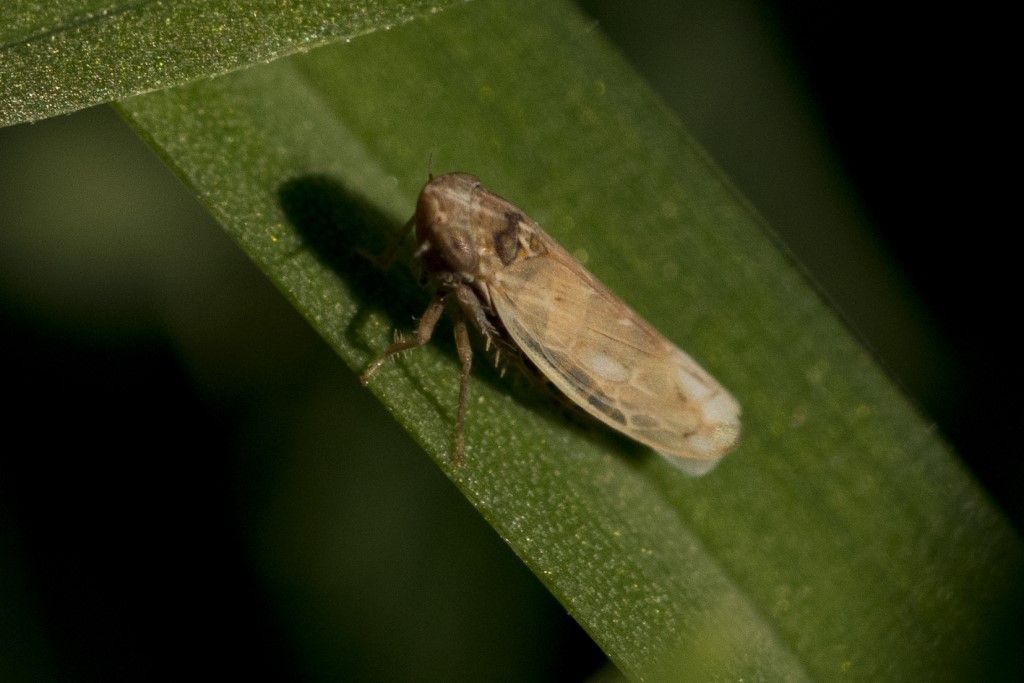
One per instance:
(610, 361)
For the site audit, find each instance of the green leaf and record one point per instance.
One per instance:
(841, 538)
(56, 58)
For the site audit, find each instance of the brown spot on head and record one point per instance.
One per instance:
(506, 240)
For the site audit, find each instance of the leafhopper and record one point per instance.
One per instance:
(495, 269)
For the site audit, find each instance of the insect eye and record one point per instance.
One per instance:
(460, 252)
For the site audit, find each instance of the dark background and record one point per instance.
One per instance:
(180, 437)
(875, 138)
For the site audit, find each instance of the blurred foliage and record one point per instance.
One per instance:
(71, 55)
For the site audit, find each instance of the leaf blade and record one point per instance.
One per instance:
(57, 59)
(840, 501)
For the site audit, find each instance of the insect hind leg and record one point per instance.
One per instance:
(424, 331)
(473, 309)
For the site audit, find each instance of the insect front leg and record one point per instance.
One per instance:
(424, 330)
(465, 351)
(385, 260)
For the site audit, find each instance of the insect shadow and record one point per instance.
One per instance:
(343, 229)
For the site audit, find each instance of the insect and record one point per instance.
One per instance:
(522, 291)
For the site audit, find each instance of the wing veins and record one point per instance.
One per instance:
(620, 341)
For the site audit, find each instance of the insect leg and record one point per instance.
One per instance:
(474, 308)
(424, 330)
(470, 304)
(385, 260)
(465, 351)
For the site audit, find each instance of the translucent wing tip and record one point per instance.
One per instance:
(711, 446)
(692, 466)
